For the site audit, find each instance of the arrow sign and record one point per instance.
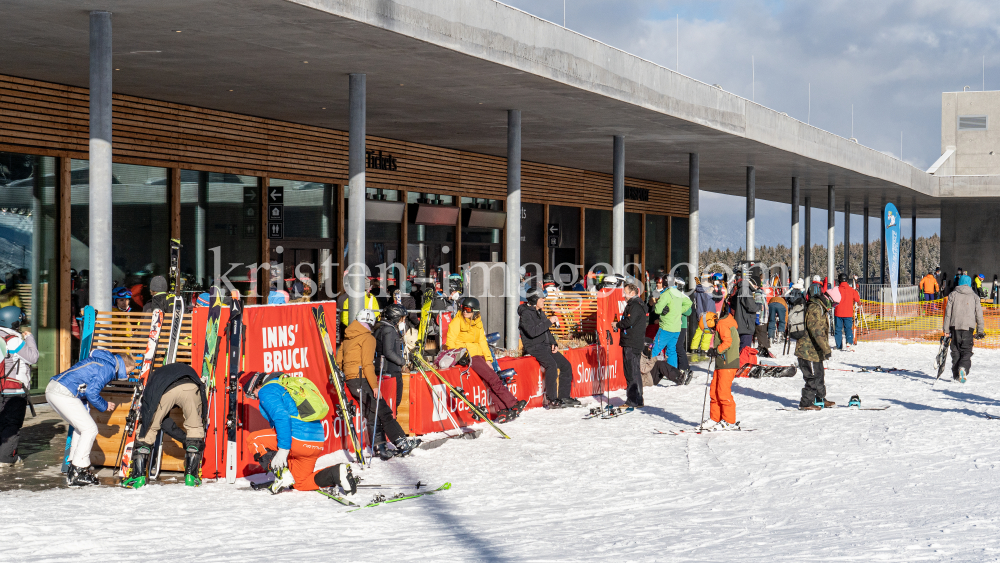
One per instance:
(276, 194)
(553, 229)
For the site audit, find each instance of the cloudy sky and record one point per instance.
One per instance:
(890, 59)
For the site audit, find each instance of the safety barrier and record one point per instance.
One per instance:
(917, 321)
(576, 311)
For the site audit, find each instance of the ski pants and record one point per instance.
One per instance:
(387, 425)
(682, 354)
(775, 319)
(961, 351)
(74, 411)
(301, 457)
(746, 340)
(633, 377)
(484, 370)
(815, 378)
(666, 342)
(399, 388)
(723, 404)
(843, 325)
(12, 411)
(188, 398)
(662, 370)
(702, 340)
(558, 373)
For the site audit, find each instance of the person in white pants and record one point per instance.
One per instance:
(69, 392)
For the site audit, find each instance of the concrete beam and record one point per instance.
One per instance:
(847, 237)
(795, 230)
(751, 211)
(694, 191)
(864, 256)
(513, 228)
(830, 222)
(100, 256)
(808, 242)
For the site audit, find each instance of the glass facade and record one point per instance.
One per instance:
(633, 244)
(480, 242)
(29, 258)
(308, 209)
(656, 243)
(597, 240)
(430, 247)
(679, 245)
(568, 251)
(533, 239)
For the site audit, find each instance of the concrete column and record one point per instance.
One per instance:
(693, 194)
(200, 217)
(864, 255)
(751, 201)
(618, 211)
(513, 225)
(807, 270)
(100, 161)
(356, 196)
(795, 230)
(913, 246)
(847, 238)
(830, 222)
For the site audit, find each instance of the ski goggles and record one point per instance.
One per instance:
(469, 310)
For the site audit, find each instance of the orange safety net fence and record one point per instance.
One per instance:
(919, 321)
(576, 311)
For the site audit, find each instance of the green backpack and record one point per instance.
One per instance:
(311, 404)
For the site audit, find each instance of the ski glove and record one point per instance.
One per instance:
(980, 335)
(712, 353)
(828, 356)
(279, 460)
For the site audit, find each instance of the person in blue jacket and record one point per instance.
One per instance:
(290, 448)
(69, 393)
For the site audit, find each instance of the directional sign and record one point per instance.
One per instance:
(553, 234)
(275, 230)
(249, 194)
(276, 194)
(275, 212)
(249, 229)
(553, 242)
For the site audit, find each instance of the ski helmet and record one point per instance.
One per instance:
(470, 305)
(11, 317)
(366, 316)
(203, 299)
(393, 313)
(121, 293)
(254, 380)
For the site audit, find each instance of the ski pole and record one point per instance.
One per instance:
(360, 417)
(708, 380)
(381, 368)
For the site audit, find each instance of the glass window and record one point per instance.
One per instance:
(383, 231)
(140, 222)
(430, 247)
(656, 243)
(679, 245)
(480, 242)
(533, 240)
(308, 209)
(597, 240)
(568, 251)
(222, 212)
(633, 244)
(29, 257)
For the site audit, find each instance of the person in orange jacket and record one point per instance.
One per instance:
(929, 287)
(726, 352)
(843, 313)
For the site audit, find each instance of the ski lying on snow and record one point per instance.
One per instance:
(471, 435)
(380, 500)
(882, 408)
(694, 431)
(334, 496)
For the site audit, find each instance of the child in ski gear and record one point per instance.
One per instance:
(356, 358)
(726, 351)
(69, 392)
(122, 299)
(290, 448)
(670, 307)
(813, 349)
(704, 304)
(466, 331)
(963, 319)
(633, 340)
(169, 386)
(21, 354)
(844, 313)
(539, 343)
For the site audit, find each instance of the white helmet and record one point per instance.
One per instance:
(366, 316)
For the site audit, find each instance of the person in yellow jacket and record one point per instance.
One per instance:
(466, 331)
(371, 303)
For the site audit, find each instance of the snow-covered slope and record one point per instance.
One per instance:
(916, 482)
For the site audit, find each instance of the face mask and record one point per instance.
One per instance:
(401, 326)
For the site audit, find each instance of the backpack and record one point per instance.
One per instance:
(310, 403)
(797, 321)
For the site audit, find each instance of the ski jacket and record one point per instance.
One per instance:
(534, 328)
(929, 284)
(703, 302)
(744, 309)
(964, 310)
(388, 345)
(469, 334)
(22, 353)
(670, 307)
(848, 297)
(159, 301)
(278, 408)
(86, 379)
(158, 383)
(357, 353)
(633, 324)
(727, 343)
(370, 303)
(816, 344)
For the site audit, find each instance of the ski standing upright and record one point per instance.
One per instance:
(236, 339)
(132, 420)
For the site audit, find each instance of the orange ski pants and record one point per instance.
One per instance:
(301, 457)
(723, 405)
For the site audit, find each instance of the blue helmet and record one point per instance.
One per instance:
(121, 293)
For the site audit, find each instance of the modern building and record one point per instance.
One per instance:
(328, 132)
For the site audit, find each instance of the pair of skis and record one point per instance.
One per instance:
(124, 457)
(381, 499)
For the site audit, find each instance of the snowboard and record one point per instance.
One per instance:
(86, 340)
(132, 420)
(942, 355)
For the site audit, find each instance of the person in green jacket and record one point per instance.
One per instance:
(670, 307)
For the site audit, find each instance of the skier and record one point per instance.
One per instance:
(726, 351)
(962, 316)
(466, 331)
(539, 343)
(929, 287)
(777, 311)
(169, 386)
(389, 345)
(122, 298)
(670, 307)
(744, 308)
(356, 358)
(159, 300)
(813, 349)
(633, 340)
(290, 448)
(69, 392)
(22, 353)
(844, 314)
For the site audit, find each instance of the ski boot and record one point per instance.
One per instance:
(828, 404)
(571, 402)
(506, 415)
(518, 407)
(405, 445)
(80, 477)
(283, 481)
(193, 453)
(854, 402)
(139, 468)
(265, 459)
(338, 475)
(383, 452)
(961, 375)
(688, 377)
(817, 402)
(724, 426)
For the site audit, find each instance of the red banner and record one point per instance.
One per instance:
(610, 306)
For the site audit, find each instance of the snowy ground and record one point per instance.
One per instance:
(916, 482)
